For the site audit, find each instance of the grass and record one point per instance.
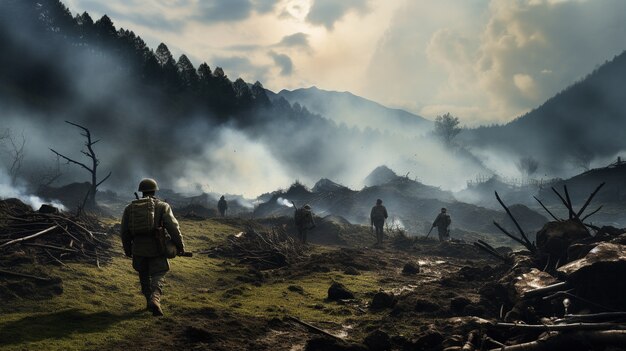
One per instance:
(101, 307)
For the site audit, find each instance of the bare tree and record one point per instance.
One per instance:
(45, 176)
(90, 199)
(527, 166)
(447, 127)
(582, 158)
(15, 151)
(17, 156)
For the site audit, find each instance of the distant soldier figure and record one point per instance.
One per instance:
(442, 222)
(222, 206)
(377, 219)
(141, 221)
(304, 221)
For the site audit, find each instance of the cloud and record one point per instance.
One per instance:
(224, 11)
(494, 60)
(295, 40)
(327, 12)
(283, 62)
(264, 6)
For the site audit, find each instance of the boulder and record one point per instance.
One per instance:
(383, 300)
(378, 341)
(411, 268)
(599, 276)
(338, 291)
(556, 237)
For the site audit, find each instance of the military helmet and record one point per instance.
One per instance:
(148, 185)
(379, 201)
(443, 209)
(307, 207)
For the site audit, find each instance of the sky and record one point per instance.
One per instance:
(483, 61)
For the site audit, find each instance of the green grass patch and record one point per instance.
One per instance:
(100, 307)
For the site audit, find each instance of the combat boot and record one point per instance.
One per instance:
(155, 303)
(148, 307)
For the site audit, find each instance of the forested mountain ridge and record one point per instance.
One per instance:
(161, 116)
(585, 121)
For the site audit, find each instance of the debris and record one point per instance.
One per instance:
(261, 250)
(50, 236)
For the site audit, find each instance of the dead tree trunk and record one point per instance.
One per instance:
(89, 143)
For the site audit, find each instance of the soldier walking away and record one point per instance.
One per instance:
(377, 219)
(142, 221)
(442, 222)
(222, 206)
(304, 221)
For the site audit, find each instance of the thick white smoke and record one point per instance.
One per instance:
(8, 191)
(284, 202)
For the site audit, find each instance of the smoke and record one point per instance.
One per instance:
(284, 202)
(8, 191)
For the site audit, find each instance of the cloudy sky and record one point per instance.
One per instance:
(483, 61)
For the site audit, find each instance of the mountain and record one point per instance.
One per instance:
(582, 123)
(352, 110)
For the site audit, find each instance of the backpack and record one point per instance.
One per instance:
(142, 216)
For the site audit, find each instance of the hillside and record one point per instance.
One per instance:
(565, 134)
(352, 110)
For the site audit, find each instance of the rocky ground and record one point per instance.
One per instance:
(339, 293)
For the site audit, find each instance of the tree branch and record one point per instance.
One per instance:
(103, 180)
(69, 160)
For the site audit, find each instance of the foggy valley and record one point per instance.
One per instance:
(89, 109)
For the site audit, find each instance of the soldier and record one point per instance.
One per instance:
(442, 222)
(304, 222)
(140, 221)
(377, 219)
(222, 206)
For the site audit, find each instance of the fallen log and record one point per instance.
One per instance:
(23, 275)
(30, 236)
(564, 327)
(545, 290)
(564, 341)
(313, 328)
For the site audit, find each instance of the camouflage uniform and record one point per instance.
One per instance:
(442, 222)
(377, 219)
(151, 264)
(222, 206)
(304, 222)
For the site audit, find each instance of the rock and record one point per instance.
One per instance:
(378, 341)
(599, 276)
(296, 288)
(351, 271)
(383, 300)
(431, 339)
(338, 291)
(422, 305)
(411, 268)
(458, 304)
(532, 280)
(555, 237)
(48, 209)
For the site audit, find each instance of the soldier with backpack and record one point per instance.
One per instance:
(222, 206)
(377, 220)
(304, 221)
(144, 223)
(442, 222)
